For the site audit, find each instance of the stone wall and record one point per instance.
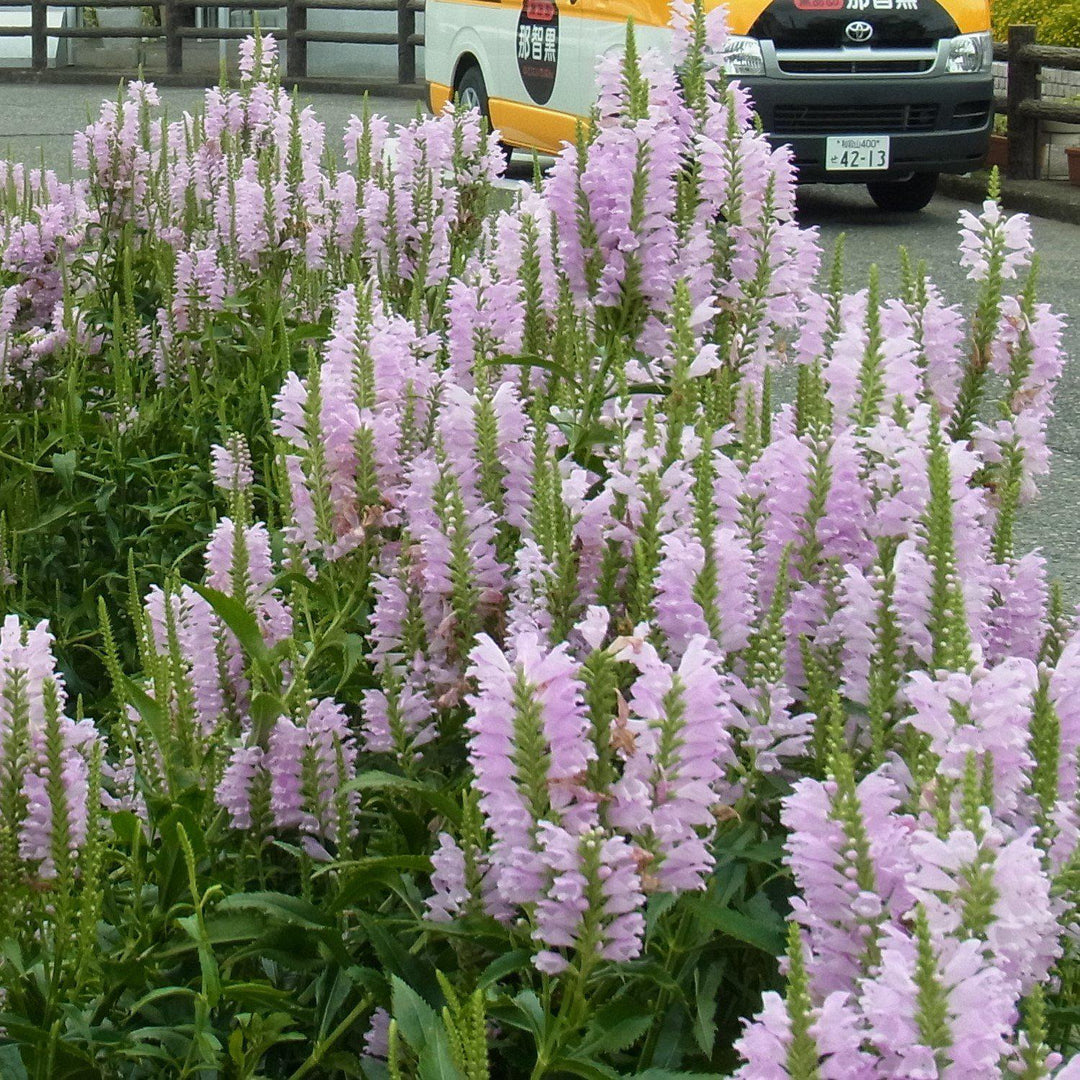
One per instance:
(1056, 85)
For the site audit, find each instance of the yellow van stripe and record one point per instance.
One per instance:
(533, 125)
(520, 125)
(438, 96)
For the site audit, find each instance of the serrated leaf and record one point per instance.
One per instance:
(377, 780)
(531, 362)
(705, 993)
(292, 910)
(416, 1019)
(502, 966)
(244, 625)
(152, 714)
(768, 939)
(64, 467)
(590, 1070)
(530, 1009)
(392, 954)
(160, 994)
(616, 1027)
(436, 1062)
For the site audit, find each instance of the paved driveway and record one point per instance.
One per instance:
(37, 122)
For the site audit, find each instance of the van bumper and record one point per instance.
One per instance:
(938, 124)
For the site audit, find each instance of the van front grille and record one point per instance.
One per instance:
(852, 119)
(854, 67)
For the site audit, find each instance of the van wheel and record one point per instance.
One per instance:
(471, 93)
(904, 196)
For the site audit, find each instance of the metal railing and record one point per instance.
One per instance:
(176, 26)
(1023, 105)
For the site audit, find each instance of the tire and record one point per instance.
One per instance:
(471, 93)
(904, 196)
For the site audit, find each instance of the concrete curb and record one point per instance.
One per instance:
(1056, 200)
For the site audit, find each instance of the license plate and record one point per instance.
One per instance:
(856, 153)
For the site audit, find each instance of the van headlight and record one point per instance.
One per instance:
(970, 54)
(742, 56)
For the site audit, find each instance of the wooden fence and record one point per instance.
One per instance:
(1023, 105)
(177, 25)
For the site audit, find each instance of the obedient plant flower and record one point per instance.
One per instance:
(536, 473)
(593, 903)
(297, 782)
(45, 763)
(529, 750)
(679, 735)
(231, 465)
(239, 563)
(849, 854)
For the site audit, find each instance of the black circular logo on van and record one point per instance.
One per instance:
(859, 32)
(538, 48)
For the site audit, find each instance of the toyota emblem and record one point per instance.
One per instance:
(859, 32)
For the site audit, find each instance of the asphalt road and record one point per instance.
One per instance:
(36, 123)
(1052, 523)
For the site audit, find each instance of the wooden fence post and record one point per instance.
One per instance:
(295, 21)
(1023, 85)
(406, 50)
(174, 43)
(39, 51)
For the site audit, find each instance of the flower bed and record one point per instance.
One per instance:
(460, 661)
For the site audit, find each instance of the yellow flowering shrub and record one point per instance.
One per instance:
(1058, 20)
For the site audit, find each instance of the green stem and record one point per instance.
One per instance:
(316, 1055)
(663, 1000)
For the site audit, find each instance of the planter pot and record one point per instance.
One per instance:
(998, 154)
(1072, 155)
(1055, 138)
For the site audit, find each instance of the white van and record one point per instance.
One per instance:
(889, 93)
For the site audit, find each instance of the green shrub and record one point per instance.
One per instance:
(1058, 20)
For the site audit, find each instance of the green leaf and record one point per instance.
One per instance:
(377, 780)
(222, 928)
(499, 968)
(162, 993)
(292, 910)
(416, 1019)
(617, 1026)
(193, 926)
(590, 1070)
(392, 954)
(672, 1074)
(706, 987)
(531, 362)
(70, 1062)
(768, 939)
(436, 1062)
(11, 1064)
(529, 1007)
(360, 876)
(64, 467)
(244, 625)
(257, 995)
(154, 715)
(51, 517)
